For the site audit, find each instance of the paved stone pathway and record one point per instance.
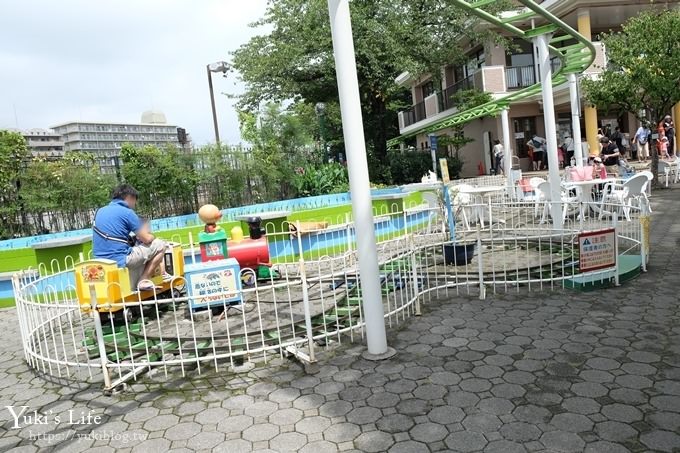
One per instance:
(557, 372)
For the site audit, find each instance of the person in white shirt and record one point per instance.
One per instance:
(498, 153)
(568, 146)
(539, 145)
(641, 139)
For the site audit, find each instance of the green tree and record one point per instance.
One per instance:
(294, 61)
(643, 69)
(13, 154)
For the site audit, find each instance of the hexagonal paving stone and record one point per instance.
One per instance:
(152, 446)
(319, 446)
(205, 440)
(329, 388)
(341, 432)
(383, 400)
(212, 416)
(374, 441)
(661, 440)
(604, 364)
(409, 446)
(496, 406)
(508, 391)
(428, 432)
(395, 423)
(260, 409)
(589, 389)
(668, 421)
(562, 441)
(446, 415)
(263, 431)
(190, 408)
(335, 408)
(520, 431)
(475, 385)
(238, 402)
(357, 393)
(465, 441)
(285, 417)
(309, 425)
(429, 392)
(182, 431)
(161, 422)
(605, 447)
(615, 431)
(622, 413)
(666, 403)
(572, 422)
(288, 442)
(311, 401)
(482, 423)
(141, 415)
(233, 446)
(462, 399)
(364, 415)
(581, 405)
(235, 424)
(284, 395)
(412, 406)
(504, 446)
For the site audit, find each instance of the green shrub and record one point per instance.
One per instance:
(322, 180)
(409, 167)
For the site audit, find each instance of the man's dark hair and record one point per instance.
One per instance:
(604, 140)
(123, 191)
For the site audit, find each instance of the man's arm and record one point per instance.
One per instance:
(144, 235)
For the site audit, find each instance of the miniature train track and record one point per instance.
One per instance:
(131, 343)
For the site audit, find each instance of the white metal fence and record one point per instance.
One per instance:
(316, 301)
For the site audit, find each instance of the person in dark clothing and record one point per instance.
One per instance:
(617, 137)
(610, 155)
(669, 131)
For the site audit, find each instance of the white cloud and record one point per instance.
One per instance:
(111, 60)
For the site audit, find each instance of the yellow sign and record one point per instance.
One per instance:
(444, 169)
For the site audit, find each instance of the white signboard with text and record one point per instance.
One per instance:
(597, 250)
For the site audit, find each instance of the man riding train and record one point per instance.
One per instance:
(118, 234)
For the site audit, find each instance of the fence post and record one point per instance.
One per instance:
(645, 220)
(480, 265)
(305, 295)
(100, 337)
(615, 216)
(414, 277)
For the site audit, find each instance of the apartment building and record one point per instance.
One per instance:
(499, 71)
(104, 139)
(44, 143)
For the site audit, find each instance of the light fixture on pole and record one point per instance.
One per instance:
(222, 67)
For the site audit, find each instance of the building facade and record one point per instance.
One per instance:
(44, 143)
(105, 139)
(499, 71)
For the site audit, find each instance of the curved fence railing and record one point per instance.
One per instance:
(315, 303)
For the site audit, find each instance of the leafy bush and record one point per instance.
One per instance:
(409, 167)
(322, 180)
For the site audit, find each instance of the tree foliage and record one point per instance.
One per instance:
(294, 61)
(643, 68)
(13, 154)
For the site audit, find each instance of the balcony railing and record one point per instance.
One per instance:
(414, 114)
(517, 77)
(445, 101)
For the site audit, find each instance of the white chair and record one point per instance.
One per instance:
(665, 170)
(566, 199)
(647, 188)
(463, 202)
(535, 182)
(632, 190)
(433, 208)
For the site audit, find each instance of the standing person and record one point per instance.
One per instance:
(641, 140)
(669, 131)
(610, 155)
(617, 137)
(538, 144)
(568, 146)
(498, 153)
(115, 231)
(663, 148)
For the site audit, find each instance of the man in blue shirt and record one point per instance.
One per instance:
(117, 229)
(641, 140)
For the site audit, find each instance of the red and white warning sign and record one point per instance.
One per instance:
(597, 249)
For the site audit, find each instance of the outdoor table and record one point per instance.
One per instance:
(584, 191)
(478, 193)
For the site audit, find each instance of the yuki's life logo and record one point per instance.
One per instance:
(22, 416)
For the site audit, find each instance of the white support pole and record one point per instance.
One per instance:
(507, 158)
(550, 129)
(575, 118)
(360, 190)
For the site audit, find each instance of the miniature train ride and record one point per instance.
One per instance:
(226, 267)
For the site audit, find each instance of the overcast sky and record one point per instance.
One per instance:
(109, 60)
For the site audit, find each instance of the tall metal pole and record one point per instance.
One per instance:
(550, 129)
(360, 190)
(575, 118)
(212, 103)
(507, 158)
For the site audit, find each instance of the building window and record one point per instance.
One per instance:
(427, 89)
